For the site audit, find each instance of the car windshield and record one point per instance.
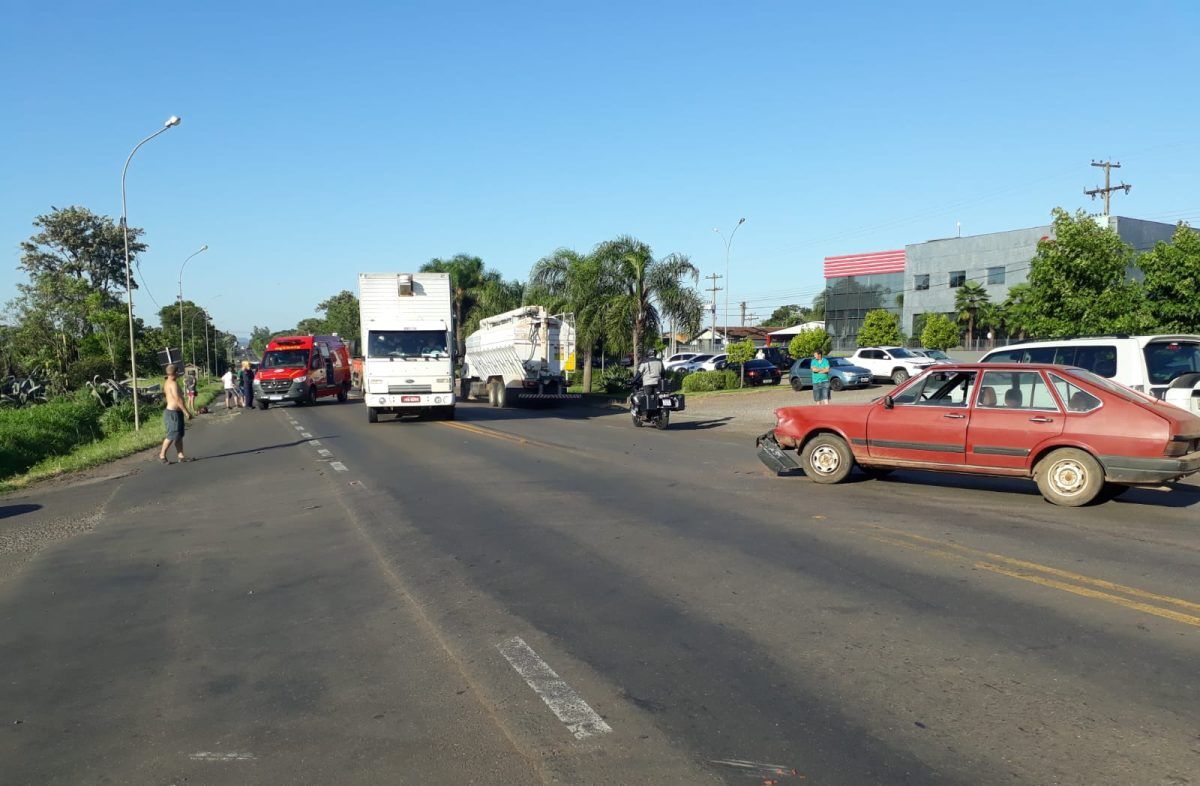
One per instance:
(407, 344)
(901, 352)
(1167, 360)
(285, 358)
(836, 362)
(937, 354)
(700, 358)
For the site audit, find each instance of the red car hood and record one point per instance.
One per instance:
(280, 373)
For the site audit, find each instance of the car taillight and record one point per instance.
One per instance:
(1181, 446)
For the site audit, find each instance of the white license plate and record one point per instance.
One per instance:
(274, 398)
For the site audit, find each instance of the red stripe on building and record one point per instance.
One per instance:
(864, 264)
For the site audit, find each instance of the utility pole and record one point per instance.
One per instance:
(714, 289)
(743, 307)
(1107, 166)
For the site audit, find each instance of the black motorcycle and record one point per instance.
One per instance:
(653, 407)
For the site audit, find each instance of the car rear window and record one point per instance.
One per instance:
(1076, 398)
(1166, 360)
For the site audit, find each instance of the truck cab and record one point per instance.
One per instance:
(302, 369)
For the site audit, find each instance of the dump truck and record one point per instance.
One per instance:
(521, 356)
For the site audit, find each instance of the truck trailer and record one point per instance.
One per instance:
(525, 355)
(407, 322)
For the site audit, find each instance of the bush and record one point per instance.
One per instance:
(616, 379)
(86, 369)
(703, 381)
(939, 333)
(119, 417)
(34, 433)
(880, 328)
(732, 379)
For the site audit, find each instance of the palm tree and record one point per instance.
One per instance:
(969, 298)
(494, 296)
(466, 278)
(569, 281)
(645, 290)
(1015, 308)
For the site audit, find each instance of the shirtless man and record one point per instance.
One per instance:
(173, 417)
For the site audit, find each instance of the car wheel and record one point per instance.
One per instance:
(827, 459)
(899, 376)
(372, 415)
(797, 385)
(1069, 477)
(343, 394)
(836, 384)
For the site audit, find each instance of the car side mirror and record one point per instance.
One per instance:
(889, 402)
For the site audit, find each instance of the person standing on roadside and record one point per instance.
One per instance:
(246, 379)
(189, 387)
(227, 383)
(173, 417)
(820, 377)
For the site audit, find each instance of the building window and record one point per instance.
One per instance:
(995, 275)
(957, 278)
(921, 282)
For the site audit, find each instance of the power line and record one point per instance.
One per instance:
(1107, 191)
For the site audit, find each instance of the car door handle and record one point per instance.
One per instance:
(1040, 419)
(954, 416)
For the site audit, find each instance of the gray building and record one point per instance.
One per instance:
(934, 270)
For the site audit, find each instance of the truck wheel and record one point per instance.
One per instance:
(491, 388)
(261, 404)
(835, 384)
(827, 459)
(343, 394)
(501, 395)
(899, 376)
(372, 415)
(1069, 477)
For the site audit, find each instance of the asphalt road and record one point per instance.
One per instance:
(527, 596)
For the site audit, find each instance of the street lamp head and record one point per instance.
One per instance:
(173, 120)
(741, 221)
(204, 247)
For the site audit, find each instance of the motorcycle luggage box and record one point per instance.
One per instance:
(672, 401)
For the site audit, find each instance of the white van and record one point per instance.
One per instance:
(1166, 367)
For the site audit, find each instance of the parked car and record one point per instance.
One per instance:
(777, 356)
(842, 374)
(694, 363)
(1079, 436)
(894, 363)
(1164, 366)
(710, 363)
(757, 371)
(936, 355)
(679, 359)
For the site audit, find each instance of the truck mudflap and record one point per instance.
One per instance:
(773, 456)
(550, 396)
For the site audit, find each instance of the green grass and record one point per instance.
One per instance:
(735, 391)
(110, 448)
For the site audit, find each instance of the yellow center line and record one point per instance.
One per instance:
(954, 552)
(1065, 574)
(487, 432)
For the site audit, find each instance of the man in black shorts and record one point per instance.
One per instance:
(173, 417)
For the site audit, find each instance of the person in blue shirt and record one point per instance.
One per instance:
(820, 378)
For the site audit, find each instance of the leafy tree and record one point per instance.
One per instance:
(939, 332)
(968, 300)
(741, 352)
(786, 316)
(645, 290)
(79, 243)
(259, 336)
(880, 328)
(1079, 282)
(1014, 311)
(1172, 282)
(311, 326)
(467, 277)
(494, 297)
(341, 315)
(807, 342)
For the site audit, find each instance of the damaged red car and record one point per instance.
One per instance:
(1080, 437)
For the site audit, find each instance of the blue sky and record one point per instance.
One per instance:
(320, 140)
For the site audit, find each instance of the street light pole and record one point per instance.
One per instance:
(172, 121)
(203, 248)
(725, 335)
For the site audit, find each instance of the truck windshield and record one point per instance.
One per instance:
(1166, 360)
(407, 344)
(285, 358)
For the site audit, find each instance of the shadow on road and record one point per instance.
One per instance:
(260, 450)
(699, 425)
(9, 511)
(1181, 496)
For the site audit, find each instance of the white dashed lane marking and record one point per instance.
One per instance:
(306, 435)
(567, 705)
(314, 442)
(218, 756)
(339, 466)
(325, 452)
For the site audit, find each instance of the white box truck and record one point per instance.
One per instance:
(525, 354)
(407, 334)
